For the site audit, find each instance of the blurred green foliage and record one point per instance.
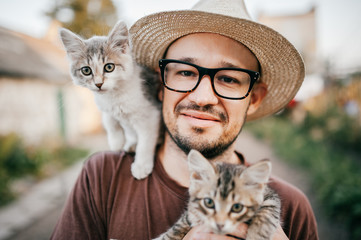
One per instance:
(85, 17)
(17, 161)
(328, 146)
(335, 129)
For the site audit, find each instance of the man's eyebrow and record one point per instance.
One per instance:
(228, 65)
(188, 60)
(222, 64)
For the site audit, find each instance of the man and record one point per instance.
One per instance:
(220, 52)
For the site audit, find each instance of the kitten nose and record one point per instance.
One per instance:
(220, 226)
(99, 85)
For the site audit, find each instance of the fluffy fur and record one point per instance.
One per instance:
(104, 65)
(223, 196)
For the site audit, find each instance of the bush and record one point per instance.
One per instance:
(336, 129)
(14, 162)
(14, 158)
(17, 161)
(330, 152)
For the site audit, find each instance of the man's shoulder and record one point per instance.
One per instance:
(297, 216)
(293, 200)
(107, 157)
(107, 163)
(288, 192)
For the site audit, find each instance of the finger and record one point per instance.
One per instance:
(241, 231)
(211, 236)
(279, 234)
(192, 233)
(234, 237)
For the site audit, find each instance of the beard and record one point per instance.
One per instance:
(209, 149)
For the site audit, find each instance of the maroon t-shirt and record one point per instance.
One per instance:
(108, 203)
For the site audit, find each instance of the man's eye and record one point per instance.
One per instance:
(229, 80)
(186, 73)
(109, 67)
(86, 71)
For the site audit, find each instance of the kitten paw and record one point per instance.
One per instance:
(140, 171)
(130, 147)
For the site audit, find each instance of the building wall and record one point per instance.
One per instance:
(30, 108)
(300, 30)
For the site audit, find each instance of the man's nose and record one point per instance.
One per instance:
(204, 95)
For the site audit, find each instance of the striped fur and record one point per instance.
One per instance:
(223, 195)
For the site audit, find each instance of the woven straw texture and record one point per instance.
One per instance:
(282, 68)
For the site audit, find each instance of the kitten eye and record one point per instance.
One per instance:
(86, 71)
(208, 203)
(237, 207)
(109, 67)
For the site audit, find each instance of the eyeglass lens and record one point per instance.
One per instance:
(226, 83)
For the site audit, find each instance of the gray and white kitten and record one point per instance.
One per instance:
(224, 195)
(104, 64)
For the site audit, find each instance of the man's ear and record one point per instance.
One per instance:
(161, 88)
(259, 92)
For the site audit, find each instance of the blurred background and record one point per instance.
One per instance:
(48, 125)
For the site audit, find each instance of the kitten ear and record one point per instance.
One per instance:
(119, 37)
(257, 173)
(73, 43)
(199, 166)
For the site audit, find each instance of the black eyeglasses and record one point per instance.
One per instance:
(229, 83)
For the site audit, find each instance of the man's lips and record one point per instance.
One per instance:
(199, 119)
(200, 115)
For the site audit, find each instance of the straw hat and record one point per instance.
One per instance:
(282, 68)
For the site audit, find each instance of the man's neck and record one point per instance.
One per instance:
(175, 162)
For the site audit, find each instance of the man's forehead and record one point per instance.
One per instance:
(222, 51)
(221, 63)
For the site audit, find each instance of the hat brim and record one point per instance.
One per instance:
(282, 67)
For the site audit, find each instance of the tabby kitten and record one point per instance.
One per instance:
(104, 64)
(225, 195)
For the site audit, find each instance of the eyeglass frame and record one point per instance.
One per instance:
(211, 72)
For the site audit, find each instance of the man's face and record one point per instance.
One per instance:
(201, 120)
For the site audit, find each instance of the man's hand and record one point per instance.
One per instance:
(199, 233)
(279, 234)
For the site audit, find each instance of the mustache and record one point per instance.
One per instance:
(207, 109)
